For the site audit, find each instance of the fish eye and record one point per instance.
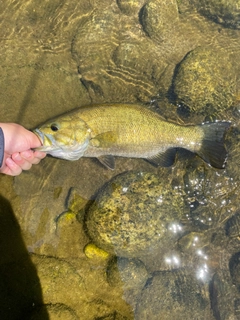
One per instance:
(54, 127)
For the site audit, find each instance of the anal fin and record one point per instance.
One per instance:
(108, 161)
(164, 159)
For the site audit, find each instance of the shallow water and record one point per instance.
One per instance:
(59, 55)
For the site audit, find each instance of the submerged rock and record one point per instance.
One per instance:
(131, 273)
(134, 214)
(130, 7)
(55, 312)
(232, 226)
(128, 274)
(156, 16)
(205, 82)
(224, 300)
(234, 266)
(225, 12)
(56, 274)
(174, 295)
(208, 194)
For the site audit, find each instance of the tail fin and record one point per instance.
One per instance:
(213, 150)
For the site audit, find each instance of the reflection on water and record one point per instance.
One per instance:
(168, 232)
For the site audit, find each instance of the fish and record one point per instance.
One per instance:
(104, 131)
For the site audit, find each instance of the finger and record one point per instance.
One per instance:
(30, 154)
(27, 155)
(40, 155)
(25, 164)
(33, 156)
(11, 168)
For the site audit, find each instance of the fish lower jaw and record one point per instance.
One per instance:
(66, 155)
(44, 149)
(71, 153)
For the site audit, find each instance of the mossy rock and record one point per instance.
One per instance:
(205, 81)
(134, 213)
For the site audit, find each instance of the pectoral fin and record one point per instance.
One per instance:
(108, 161)
(164, 159)
(104, 140)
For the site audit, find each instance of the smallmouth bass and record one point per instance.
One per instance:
(128, 130)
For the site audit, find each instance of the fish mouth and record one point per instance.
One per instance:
(67, 152)
(39, 134)
(47, 141)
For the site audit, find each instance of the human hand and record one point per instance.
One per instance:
(18, 155)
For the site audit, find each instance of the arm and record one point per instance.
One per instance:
(17, 146)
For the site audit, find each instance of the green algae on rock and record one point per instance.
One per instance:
(135, 213)
(205, 81)
(75, 202)
(91, 251)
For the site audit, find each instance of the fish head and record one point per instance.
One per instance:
(64, 137)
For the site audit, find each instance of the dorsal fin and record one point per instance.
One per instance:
(108, 161)
(164, 159)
